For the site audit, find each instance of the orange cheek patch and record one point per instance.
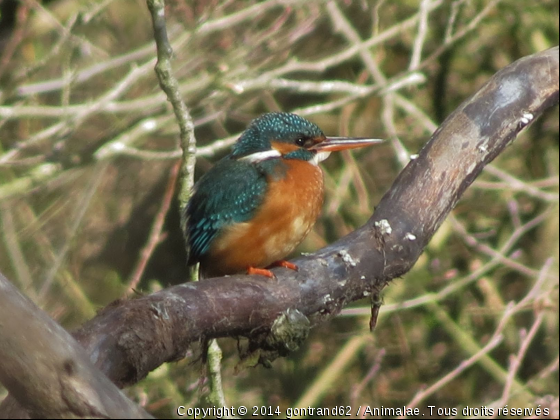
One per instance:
(283, 148)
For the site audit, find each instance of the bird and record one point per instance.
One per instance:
(254, 206)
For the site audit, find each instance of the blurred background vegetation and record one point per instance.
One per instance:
(88, 144)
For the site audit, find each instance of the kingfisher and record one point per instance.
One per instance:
(254, 206)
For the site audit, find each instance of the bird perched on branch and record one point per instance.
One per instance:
(259, 202)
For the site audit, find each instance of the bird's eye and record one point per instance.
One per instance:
(300, 141)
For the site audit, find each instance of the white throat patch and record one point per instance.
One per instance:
(319, 157)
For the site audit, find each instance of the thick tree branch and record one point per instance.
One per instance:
(131, 338)
(128, 339)
(47, 371)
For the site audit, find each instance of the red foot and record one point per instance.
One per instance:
(285, 264)
(270, 274)
(261, 272)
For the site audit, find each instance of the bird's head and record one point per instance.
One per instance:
(280, 134)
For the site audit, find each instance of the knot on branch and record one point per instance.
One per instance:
(289, 330)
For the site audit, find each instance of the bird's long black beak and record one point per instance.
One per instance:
(333, 144)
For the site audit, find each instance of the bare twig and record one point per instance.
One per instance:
(465, 364)
(155, 232)
(81, 208)
(170, 86)
(420, 36)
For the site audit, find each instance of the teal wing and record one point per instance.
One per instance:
(229, 193)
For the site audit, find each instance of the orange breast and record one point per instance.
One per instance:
(288, 213)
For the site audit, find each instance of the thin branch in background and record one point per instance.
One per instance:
(342, 25)
(243, 15)
(63, 126)
(452, 19)
(550, 370)
(170, 86)
(235, 19)
(377, 75)
(488, 250)
(532, 189)
(429, 126)
(420, 36)
(302, 86)
(512, 309)
(513, 207)
(207, 28)
(216, 395)
(372, 373)
(122, 143)
(515, 360)
(465, 364)
(517, 184)
(332, 372)
(82, 206)
(150, 103)
(471, 26)
(50, 18)
(83, 75)
(155, 235)
(349, 53)
(460, 284)
(95, 10)
(217, 146)
(17, 36)
(16, 255)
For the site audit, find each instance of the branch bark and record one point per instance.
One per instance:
(128, 339)
(131, 338)
(47, 371)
